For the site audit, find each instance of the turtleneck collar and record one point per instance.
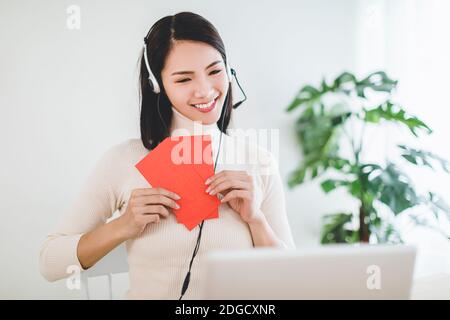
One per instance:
(183, 126)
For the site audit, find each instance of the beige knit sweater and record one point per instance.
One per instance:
(159, 257)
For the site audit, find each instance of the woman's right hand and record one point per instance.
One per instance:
(146, 206)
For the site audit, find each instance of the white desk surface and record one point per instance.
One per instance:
(436, 287)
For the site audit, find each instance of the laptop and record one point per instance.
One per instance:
(326, 272)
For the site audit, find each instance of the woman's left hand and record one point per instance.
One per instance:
(237, 188)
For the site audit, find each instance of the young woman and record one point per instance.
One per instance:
(185, 81)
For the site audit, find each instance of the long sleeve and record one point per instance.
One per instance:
(274, 205)
(95, 203)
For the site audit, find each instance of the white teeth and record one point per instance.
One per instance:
(204, 106)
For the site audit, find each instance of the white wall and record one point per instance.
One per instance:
(68, 95)
(408, 39)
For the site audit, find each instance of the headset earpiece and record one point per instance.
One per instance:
(229, 74)
(151, 77)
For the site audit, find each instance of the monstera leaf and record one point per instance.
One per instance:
(423, 158)
(392, 112)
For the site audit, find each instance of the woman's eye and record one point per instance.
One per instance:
(211, 73)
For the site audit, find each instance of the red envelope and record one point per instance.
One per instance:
(182, 165)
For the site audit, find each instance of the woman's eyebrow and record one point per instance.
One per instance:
(190, 72)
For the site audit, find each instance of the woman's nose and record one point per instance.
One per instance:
(203, 89)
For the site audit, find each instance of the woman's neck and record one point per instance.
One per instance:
(183, 126)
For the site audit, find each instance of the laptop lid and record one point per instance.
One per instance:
(326, 272)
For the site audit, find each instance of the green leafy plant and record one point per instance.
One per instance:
(328, 117)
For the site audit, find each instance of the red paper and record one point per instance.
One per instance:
(182, 165)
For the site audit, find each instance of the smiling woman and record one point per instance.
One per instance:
(185, 54)
(185, 84)
(197, 92)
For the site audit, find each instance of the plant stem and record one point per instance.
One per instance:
(361, 139)
(363, 227)
(364, 233)
(350, 141)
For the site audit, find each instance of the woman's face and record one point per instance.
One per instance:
(195, 80)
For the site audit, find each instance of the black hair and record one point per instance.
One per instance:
(155, 109)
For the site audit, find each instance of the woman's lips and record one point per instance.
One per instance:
(206, 110)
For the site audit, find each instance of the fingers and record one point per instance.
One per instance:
(229, 179)
(152, 191)
(152, 218)
(149, 205)
(230, 184)
(220, 179)
(237, 194)
(151, 210)
(226, 173)
(156, 199)
(154, 196)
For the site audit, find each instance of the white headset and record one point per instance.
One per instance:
(154, 83)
